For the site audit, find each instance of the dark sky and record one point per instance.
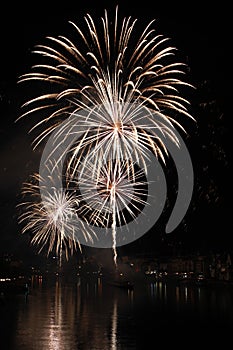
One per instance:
(202, 37)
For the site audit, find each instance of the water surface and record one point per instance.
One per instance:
(88, 314)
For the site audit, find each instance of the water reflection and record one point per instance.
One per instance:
(159, 289)
(89, 314)
(114, 327)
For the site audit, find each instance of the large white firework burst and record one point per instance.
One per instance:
(112, 71)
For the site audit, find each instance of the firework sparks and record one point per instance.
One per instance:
(114, 193)
(50, 221)
(111, 82)
(130, 92)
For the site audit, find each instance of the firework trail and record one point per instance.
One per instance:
(128, 86)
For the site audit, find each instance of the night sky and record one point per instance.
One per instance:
(202, 38)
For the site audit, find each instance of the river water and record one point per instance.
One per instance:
(88, 314)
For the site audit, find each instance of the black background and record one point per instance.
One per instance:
(202, 37)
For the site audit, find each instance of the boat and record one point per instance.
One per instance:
(124, 284)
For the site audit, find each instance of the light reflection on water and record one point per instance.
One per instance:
(90, 315)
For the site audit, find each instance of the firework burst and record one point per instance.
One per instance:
(112, 72)
(118, 92)
(50, 221)
(114, 193)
